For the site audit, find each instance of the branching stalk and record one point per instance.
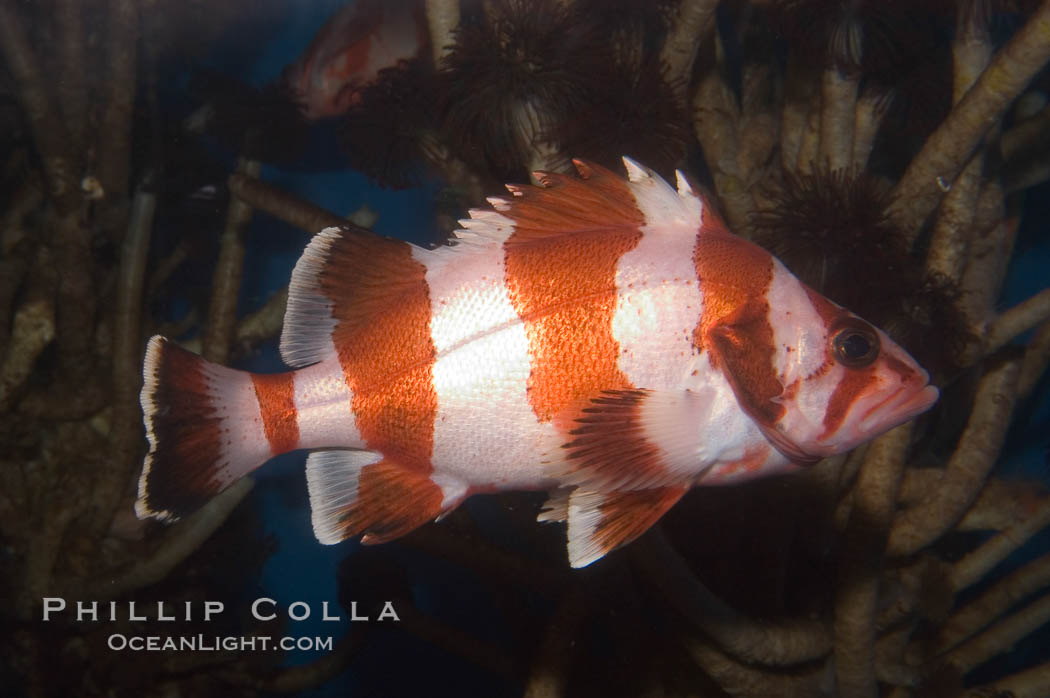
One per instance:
(772, 644)
(994, 602)
(856, 601)
(49, 132)
(975, 565)
(115, 138)
(282, 205)
(692, 24)
(126, 426)
(1001, 636)
(226, 284)
(946, 151)
(442, 20)
(968, 467)
(838, 112)
(953, 231)
(1017, 320)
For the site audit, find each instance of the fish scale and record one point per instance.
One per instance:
(604, 339)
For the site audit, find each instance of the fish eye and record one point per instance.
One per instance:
(855, 344)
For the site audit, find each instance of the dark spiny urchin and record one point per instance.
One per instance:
(265, 124)
(877, 39)
(929, 323)
(998, 17)
(623, 19)
(894, 47)
(639, 116)
(921, 100)
(832, 231)
(539, 54)
(747, 32)
(380, 134)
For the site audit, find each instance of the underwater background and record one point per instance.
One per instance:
(165, 165)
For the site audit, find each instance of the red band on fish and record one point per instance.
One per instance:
(381, 308)
(848, 388)
(276, 396)
(734, 277)
(565, 289)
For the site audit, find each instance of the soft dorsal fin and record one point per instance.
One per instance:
(306, 336)
(345, 279)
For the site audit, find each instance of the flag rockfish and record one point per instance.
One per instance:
(608, 341)
(348, 52)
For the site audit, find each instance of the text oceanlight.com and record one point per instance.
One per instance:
(216, 643)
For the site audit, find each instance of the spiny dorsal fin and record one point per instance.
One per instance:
(595, 201)
(565, 205)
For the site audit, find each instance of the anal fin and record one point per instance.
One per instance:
(600, 522)
(556, 508)
(361, 493)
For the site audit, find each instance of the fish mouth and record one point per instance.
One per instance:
(899, 407)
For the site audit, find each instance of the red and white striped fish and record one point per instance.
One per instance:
(605, 340)
(346, 55)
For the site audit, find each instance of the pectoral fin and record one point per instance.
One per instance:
(631, 440)
(600, 522)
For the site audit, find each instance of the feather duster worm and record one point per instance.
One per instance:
(638, 112)
(639, 117)
(542, 57)
(380, 134)
(262, 123)
(643, 23)
(878, 39)
(882, 47)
